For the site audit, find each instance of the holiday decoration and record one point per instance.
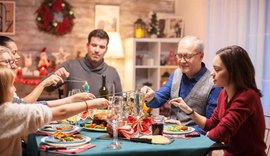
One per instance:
(27, 64)
(139, 28)
(140, 124)
(60, 56)
(32, 81)
(171, 58)
(55, 17)
(43, 59)
(42, 71)
(27, 60)
(19, 71)
(153, 25)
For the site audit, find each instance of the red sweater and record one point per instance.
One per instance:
(239, 123)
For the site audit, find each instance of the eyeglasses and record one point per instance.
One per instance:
(185, 56)
(10, 62)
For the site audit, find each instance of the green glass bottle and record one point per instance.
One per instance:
(103, 91)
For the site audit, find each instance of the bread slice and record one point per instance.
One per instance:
(158, 139)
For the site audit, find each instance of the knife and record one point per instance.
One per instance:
(143, 140)
(47, 148)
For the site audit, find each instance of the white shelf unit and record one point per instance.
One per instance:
(149, 69)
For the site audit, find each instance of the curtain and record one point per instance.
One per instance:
(266, 62)
(243, 23)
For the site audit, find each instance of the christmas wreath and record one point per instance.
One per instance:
(55, 17)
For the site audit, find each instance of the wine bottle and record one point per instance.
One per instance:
(103, 91)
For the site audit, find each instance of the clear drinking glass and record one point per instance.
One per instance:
(114, 117)
(112, 90)
(74, 119)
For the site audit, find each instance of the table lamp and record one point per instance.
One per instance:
(115, 48)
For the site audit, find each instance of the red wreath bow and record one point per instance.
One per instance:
(141, 124)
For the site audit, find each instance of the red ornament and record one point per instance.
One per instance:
(42, 71)
(19, 71)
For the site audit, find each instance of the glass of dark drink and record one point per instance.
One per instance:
(158, 125)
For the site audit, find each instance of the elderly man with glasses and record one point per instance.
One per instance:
(191, 81)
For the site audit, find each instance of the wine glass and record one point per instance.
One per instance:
(114, 117)
(74, 119)
(112, 90)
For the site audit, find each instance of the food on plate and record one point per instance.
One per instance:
(66, 137)
(94, 126)
(64, 127)
(158, 139)
(100, 118)
(177, 128)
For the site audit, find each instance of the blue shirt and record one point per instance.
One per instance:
(164, 93)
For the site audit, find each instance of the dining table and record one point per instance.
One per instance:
(194, 146)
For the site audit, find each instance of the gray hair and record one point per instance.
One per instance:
(4, 50)
(193, 42)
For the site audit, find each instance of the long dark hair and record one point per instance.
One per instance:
(239, 66)
(4, 40)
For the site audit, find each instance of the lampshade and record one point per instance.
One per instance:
(115, 48)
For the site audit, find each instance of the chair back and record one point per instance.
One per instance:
(267, 135)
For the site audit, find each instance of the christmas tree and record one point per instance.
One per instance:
(153, 25)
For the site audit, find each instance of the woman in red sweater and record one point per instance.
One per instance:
(238, 119)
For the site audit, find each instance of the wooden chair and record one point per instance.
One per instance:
(267, 135)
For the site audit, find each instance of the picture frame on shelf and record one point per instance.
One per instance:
(7, 15)
(170, 25)
(107, 17)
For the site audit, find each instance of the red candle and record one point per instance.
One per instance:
(42, 71)
(19, 71)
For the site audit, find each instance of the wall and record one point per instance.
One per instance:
(31, 40)
(194, 13)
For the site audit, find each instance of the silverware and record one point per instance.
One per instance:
(47, 148)
(143, 140)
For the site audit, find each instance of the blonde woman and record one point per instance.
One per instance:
(18, 120)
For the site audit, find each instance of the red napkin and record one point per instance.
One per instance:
(126, 131)
(69, 150)
(142, 124)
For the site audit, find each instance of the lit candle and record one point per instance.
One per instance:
(19, 71)
(42, 71)
(86, 87)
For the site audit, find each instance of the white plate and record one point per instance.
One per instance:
(53, 140)
(96, 129)
(190, 129)
(53, 127)
(87, 139)
(75, 128)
